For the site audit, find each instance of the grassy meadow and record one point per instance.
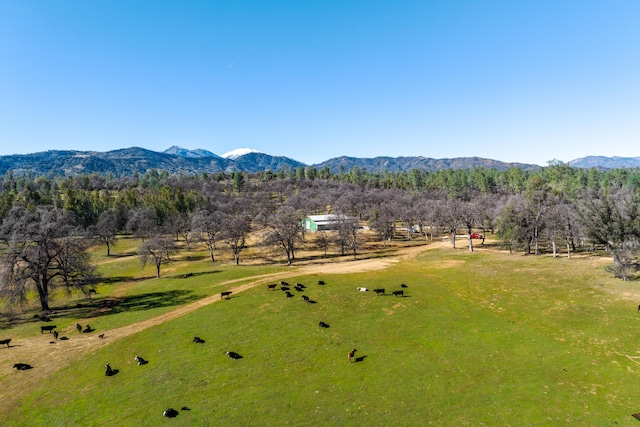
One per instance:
(483, 338)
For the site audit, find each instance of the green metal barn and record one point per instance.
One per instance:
(321, 222)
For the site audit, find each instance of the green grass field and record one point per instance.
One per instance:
(479, 339)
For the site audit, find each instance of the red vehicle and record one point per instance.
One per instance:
(476, 236)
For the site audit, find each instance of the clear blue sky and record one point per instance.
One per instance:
(516, 80)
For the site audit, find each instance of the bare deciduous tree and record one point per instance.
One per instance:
(536, 204)
(44, 250)
(156, 250)
(382, 221)
(236, 227)
(284, 228)
(350, 233)
(104, 232)
(449, 215)
(142, 222)
(207, 224)
(469, 215)
(179, 224)
(323, 240)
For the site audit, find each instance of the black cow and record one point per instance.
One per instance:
(323, 325)
(320, 282)
(233, 355)
(101, 336)
(283, 283)
(87, 330)
(403, 286)
(398, 293)
(140, 360)
(224, 295)
(272, 287)
(108, 371)
(306, 298)
(55, 335)
(22, 366)
(198, 340)
(48, 328)
(78, 327)
(7, 341)
(379, 291)
(289, 294)
(170, 413)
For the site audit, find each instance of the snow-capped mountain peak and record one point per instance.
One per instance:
(234, 154)
(183, 152)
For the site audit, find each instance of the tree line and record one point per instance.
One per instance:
(47, 223)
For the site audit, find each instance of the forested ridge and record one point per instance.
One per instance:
(47, 223)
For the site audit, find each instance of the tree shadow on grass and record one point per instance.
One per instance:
(146, 301)
(201, 273)
(103, 306)
(122, 255)
(107, 306)
(194, 257)
(119, 279)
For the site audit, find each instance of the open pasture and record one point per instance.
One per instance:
(477, 339)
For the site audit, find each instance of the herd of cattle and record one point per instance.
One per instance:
(109, 371)
(285, 287)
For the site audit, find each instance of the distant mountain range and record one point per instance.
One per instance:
(605, 162)
(177, 160)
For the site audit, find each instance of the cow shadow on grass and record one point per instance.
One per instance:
(10, 346)
(360, 359)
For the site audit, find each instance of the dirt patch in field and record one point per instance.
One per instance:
(447, 264)
(47, 355)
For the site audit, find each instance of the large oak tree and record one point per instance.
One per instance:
(44, 250)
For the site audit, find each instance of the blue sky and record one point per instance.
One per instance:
(525, 81)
